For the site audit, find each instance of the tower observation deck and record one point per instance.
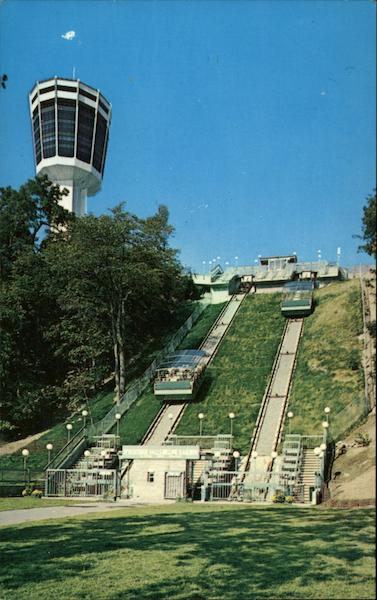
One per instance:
(70, 123)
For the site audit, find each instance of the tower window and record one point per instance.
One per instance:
(66, 127)
(99, 142)
(85, 132)
(48, 128)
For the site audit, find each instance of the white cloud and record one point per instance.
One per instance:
(69, 35)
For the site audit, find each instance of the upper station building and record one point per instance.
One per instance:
(270, 275)
(70, 122)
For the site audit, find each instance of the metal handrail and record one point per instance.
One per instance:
(67, 445)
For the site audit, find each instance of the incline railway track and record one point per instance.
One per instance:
(272, 412)
(170, 414)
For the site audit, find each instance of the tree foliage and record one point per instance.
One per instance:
(369, 226)
(79, 298)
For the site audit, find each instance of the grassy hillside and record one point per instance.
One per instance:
(57, 436)
(192, 552)
(329, 371)
(99, 406)
(137, 420)
(236, 379)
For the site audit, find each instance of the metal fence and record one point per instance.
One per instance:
(82, 482)
(14, 481)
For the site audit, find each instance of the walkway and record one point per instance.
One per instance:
(13, 517)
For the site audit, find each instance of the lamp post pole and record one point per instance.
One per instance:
(289, 415)
(25, 454)
(200, 417)
(49, 447)
(69, 429)
(254, 456)
(325, 425)
(118, 416)
(231, 417)
(84, 415)
(236, 456)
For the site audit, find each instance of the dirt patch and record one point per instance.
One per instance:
(11, 447)
(354, 473)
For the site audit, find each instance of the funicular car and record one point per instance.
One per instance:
(179, 375)
(298, 299)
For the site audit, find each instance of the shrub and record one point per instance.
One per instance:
(37, 493)
(289, 499)
(278, 498)
(26, 491)
(362, 439)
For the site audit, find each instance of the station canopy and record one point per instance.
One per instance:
(184, 359)
(298, 286)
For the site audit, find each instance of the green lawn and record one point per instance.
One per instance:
(29, 502)
(192, 552)
(236, 379)
(329, 371)
(136, 421)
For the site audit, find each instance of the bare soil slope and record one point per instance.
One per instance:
(354, 473)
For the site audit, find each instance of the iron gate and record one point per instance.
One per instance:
(82, 482)
(225, 485)
(174, 486)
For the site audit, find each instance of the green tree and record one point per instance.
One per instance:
(28, 367)
(369, 226)
(118, 281)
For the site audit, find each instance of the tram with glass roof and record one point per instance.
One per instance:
(180, 375)
(298, 299)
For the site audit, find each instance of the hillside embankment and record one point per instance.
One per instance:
(354, 472)
(353, 479)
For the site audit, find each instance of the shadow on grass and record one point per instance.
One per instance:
(244, 552)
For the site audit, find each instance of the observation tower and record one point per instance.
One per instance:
(70, 122)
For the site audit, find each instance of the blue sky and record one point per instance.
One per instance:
(253, 121)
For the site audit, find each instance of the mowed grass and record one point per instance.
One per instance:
(237, 377)
(329, 371)
(192, 552)
(29, 502)
(136, 421)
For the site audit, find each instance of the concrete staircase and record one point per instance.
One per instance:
(291, 460)
(103, 455)
(308, 470)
